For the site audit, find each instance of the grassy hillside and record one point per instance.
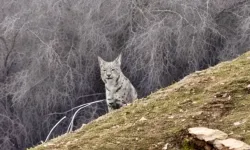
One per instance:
(216, 98)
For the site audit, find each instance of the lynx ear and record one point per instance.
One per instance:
(100, 60)
(118, 59)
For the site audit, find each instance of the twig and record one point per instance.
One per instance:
(59, 113)
(39, 38)
(54, 128)
(70, 128)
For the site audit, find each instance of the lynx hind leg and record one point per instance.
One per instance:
(110, 109)
(134, 95)
(116, 104)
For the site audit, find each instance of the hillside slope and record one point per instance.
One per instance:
(216, 98)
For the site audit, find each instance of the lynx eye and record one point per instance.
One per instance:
(112, 69)
(104, 70)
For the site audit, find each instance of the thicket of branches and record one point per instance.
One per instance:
(49, 49)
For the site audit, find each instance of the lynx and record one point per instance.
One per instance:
(119, 90)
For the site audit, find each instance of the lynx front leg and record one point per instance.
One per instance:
(109, 101)
(110, 108)
(109, 104)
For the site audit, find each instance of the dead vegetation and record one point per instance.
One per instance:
(217, 98)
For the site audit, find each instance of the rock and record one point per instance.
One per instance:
(171, 117)
(231, 144)
(203, 137)
(225, 95)
(206, 134)
(165, 146)
(238, 123)
(248, 88)
(143, 119)
(237, 137)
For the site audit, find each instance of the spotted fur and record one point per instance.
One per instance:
(119, 90)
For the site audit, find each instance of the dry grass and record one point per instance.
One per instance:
(215, 98)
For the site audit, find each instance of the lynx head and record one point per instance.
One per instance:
(110, 71)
